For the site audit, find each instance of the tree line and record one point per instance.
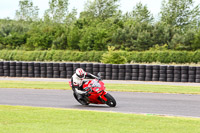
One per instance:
(102, 24)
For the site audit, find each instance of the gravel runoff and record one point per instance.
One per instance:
(105, 81)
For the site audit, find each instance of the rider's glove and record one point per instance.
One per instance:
(98, 78)
(87, 92)
(88, 89)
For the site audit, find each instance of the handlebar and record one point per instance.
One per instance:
(90, 89)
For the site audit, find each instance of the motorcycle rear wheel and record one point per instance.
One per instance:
(110, 100)
(83, 102)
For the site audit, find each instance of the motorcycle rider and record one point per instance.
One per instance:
(77, 82)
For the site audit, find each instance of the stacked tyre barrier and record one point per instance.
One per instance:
(135, 72)
(149, 71)
(115, 72)
(121, 73)
(95, 69)
(69, 70)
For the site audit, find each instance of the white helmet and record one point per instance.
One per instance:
(80, 73)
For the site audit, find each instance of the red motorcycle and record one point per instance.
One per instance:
(96, 93)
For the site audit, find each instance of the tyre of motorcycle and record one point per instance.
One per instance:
(110, 100)
(83, 101)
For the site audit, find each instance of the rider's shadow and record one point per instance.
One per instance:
(92, 106)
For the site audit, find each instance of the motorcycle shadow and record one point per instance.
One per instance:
(93, 106)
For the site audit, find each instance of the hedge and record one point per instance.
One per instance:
(179, 57)
(52, 55)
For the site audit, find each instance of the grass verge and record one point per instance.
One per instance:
(109, 87)
(21, 119)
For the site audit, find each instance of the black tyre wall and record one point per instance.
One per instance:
(89, 67)
(197, 75)
(128, 72)
(62, 69)
(135, 72)
(115, 71)
(69, 69)
(184, 73)
(56, 70)
(108, 71)
(192, 74)
(177, 73)
(102, 70)
(1, 69)
(163, 73)
(43, 70)
(6, 68)
(19, 70)
(156, 73)
(49, 70)
(12, 69)
(142, 72)
(149, 71)
(170, 73)
(95, 69)
(121, 74)
(37, 70)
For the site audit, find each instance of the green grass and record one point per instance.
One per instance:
(155, 88)
(109, 87)
(34, 84)
(18, 119)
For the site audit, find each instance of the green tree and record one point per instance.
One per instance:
(71, 17)
(134, 36)
(163, 33)
(102, 9)
(74, 37)
(180, 13)
(94, 38)
(140, 13)
(27, 11)
(12, 34)
(46, 36)
(196, 41)
(57, 12)
(189, 38)
(136, 31)
(95, 26)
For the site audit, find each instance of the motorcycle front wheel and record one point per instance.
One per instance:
(110, 100)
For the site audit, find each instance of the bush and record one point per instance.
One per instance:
(52, 55)
(113, 57)
(164, 57)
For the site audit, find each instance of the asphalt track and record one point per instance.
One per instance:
(127, 102)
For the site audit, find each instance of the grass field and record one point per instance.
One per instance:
(109, 87)
(18, 119)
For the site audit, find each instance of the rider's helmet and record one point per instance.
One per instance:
(80, 73)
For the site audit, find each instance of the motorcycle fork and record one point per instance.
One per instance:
(102, 97)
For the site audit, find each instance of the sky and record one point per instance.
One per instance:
(9, 7)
